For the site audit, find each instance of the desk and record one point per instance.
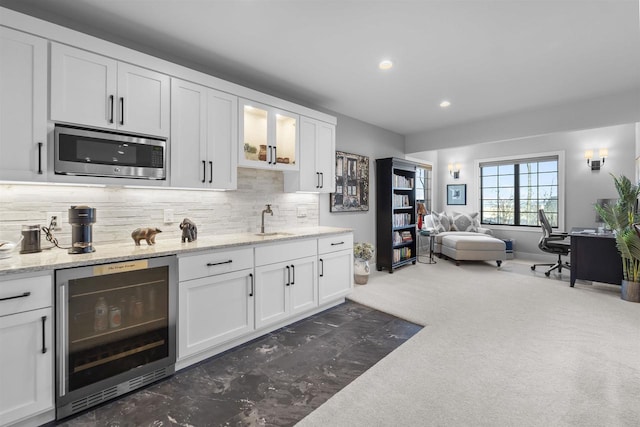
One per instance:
(595, 257)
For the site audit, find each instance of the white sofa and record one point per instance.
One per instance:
(458, 236)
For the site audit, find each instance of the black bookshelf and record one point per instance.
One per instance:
(396, 213)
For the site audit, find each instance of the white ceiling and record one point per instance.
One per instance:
(488, 58)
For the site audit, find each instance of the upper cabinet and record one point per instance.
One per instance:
(268, 137)
(317, 158)
(93, 90)
(204, 137)
(23, 106)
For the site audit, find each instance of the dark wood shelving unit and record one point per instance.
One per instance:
(396, 213)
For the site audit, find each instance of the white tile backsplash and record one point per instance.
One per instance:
(121, 210)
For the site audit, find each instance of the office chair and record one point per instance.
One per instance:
(552, 243)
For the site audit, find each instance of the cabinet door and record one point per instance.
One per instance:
(26, 364)
(213, 310)
(255, 148)
(143, 100)
(188, 134)
(286, 137)
(335, 276)
(304, 284)
(272, 293)
(23, 106)
(222, 137)
(326, 156)
(309, 175)
(83, 87)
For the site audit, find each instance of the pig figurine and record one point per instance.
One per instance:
(189, 230)
(148, 234)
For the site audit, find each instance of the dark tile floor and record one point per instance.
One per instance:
(275, 380)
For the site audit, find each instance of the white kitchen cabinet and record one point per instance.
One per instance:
(286, 280)
(317, 158)
(93, 90)
(269, 137)
(204, 129)
(216, 299)
(26, 353)
(23, 106)
(335, 264)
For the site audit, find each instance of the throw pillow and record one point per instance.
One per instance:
(441, 222)
(465, 221)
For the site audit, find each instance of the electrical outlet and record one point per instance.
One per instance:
(168, 216)
(54, 219)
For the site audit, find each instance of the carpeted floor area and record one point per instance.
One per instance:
(500, 347)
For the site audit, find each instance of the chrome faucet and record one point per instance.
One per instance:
(264, 211)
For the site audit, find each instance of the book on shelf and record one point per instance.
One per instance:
(406, 237)
(401, 254)
(401, 201)
(402, 181)
(401, 219)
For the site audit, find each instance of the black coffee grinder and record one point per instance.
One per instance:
(81, 219)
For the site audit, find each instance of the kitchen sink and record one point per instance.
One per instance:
(275, 233)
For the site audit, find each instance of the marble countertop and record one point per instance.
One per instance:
(115, 252)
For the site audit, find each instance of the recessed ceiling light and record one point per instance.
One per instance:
(445, 104)
(385, 65)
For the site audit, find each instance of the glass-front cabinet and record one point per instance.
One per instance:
(268, 137)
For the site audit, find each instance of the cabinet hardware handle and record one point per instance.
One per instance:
(111, 101)
(251, 276)
(272, 159)
(293, 269)
(317, 179)
(25, 294)
(210, 172)
(121, 110)
(275, 155)
(321, 179)
(336, 244)
(288, 276)
(211, 264)
(204, 171)
(44, 342)
(269, 154)
(40, 144)
(322, 267)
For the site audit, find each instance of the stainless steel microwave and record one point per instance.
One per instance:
(92, 152)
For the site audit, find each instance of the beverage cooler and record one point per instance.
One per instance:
(116, 330)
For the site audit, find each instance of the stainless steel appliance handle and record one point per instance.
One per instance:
(44, 335)
(251, 277)
(24, 294)
(63, 334)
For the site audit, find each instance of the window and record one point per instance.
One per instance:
(512, 191)
(423, 186)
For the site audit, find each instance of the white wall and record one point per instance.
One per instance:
(354, 136)
(582, 186)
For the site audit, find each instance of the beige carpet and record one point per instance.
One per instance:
(500, 347)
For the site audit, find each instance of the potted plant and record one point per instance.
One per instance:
(622, 219)
(362, 253)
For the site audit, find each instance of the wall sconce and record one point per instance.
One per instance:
(595, 164)
(454, 171)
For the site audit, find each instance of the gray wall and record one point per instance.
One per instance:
(582, 186)
(354, 136)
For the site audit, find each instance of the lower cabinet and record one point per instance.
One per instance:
(335, 259)
(213, 310)
(284, 289)
(26, 348)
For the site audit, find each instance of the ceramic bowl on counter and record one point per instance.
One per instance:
(8, 247)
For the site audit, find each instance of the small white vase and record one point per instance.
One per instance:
(361, 271)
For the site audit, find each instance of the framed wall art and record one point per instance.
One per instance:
(352, 183)
(456, 194)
